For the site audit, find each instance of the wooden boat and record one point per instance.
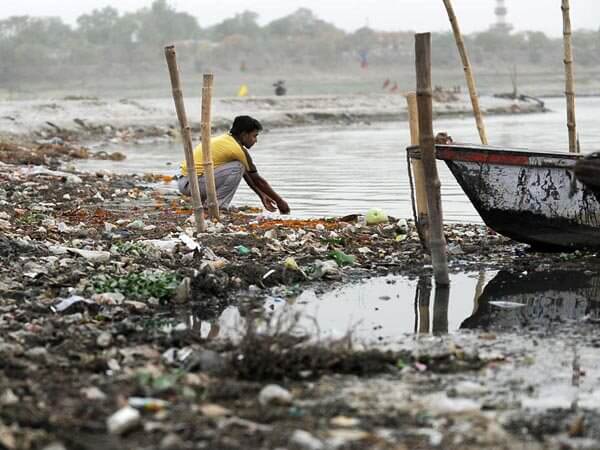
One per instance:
(530, 196)
(587, 170)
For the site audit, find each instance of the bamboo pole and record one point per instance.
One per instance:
(468, 72)
(186, 135)
(437, 242)
(207, 162)
(569, 90)
(418, 175)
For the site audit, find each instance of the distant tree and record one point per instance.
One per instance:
(106, 27)
(161, 24)
(300, 23)
(245, 24)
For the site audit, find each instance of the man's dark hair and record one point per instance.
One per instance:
(244, 124)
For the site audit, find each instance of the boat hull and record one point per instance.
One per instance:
(531, 197)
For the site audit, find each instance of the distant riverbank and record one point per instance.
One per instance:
(90, 118)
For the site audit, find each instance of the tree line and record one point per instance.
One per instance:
(106, 43)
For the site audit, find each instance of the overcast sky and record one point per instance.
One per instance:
(417, 15)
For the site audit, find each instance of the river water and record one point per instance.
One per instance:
(333, 171)
(339, 170)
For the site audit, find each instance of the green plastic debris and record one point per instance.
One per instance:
(243, 250)
(341, 258)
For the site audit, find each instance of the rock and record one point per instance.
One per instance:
(93, 393)
(274, 394)
(91, 255)
(171, 441)
(213, 410)
(136, 225)
(183, 294)
(302, 440)
(8, 398)
(123, 420)
(104, 339)
(326, 269)
(206, 361)
(39, 354)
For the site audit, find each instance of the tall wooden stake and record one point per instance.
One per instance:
(186, 134)
(207, 162)
(468, 72)
(437, 242)
(418, 175)
(569, 90)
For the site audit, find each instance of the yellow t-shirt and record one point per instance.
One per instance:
(223, 149)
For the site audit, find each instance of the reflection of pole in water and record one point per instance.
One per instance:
(440, 309)
(423, 294)
(576, 374)
(478, 290)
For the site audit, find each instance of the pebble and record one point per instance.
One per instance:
(302, 440)
(104, 339)
(171, 442)
(8, 398)
(123, 420)
(206, 361)
(213, 410)
(274, 394)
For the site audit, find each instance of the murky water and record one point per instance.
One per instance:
(380, 310)
(332, 171)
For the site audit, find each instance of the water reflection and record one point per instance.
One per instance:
(384, 308)
(537, 298)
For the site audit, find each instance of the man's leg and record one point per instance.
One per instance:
(227, 179)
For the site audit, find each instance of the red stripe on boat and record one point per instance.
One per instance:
(509, 159)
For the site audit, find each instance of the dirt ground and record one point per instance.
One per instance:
(103, 285)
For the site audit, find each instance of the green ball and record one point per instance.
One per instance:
(376, 216)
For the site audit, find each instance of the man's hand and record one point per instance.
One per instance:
(283, 207)
(268, 203)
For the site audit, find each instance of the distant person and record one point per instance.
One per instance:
(280, 88)
(364, 62)
(232, 161)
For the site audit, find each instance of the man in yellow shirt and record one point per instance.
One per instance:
(232, 161)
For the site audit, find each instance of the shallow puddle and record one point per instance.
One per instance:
(381, 309)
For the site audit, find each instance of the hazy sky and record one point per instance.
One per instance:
(417, 15)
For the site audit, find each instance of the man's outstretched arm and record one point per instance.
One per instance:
(270, 199)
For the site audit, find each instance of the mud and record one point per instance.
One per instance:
(124, 120)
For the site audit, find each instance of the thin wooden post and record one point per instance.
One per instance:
(569, 90)
(418, 175)
(186, 135)
(468, 72)
(437, 242)
(207, 162)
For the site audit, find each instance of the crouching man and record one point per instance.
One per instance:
(232, 161)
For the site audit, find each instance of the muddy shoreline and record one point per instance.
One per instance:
(90, 119)
(110, 304)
